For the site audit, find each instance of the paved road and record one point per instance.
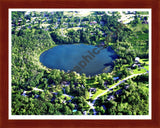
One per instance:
(93, 102)
(120, 82)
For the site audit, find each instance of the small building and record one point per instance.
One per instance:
(24, 93)
(65, 83)
(137, 60)
(27, 21)
(92, 90)
(102, 44)
(139, 65)
(36, 96)
(85, 113)
(106, 83)
(93, 22)
(126, 87)
(75, 110)
(110, 98)
(115, 78)
(20, 20)
(134, 65)
(145, 22)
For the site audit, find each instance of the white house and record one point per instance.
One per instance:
(137, 59)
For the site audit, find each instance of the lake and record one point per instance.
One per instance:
(81, 58)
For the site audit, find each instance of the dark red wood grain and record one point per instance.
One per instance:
(4, 43)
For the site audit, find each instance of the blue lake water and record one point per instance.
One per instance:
(81, 58)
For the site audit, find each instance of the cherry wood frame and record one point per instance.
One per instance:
(4, 43)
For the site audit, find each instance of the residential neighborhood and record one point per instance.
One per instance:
(43, 82)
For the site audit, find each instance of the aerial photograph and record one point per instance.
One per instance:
(79, 62)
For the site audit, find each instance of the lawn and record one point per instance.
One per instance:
(138, 71)
(67, 97)
(146, 67)
(67, 29)
(144, 61)
(99, 91)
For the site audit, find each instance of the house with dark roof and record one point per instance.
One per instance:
(93, 22)
(110, 98)
(92, 90)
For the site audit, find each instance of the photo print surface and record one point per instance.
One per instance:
(80, 63)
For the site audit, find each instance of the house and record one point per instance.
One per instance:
(136, 63)
(92, 90)
(24, 93)
(55, 93)
(126, 87)
(65, 83)
(102, 44)
(145, 22)
(27, 13)
(133, 65)
(27, 21)
(65, 23)
(137, 60)
(36, 96)
(82, 86)
(75, 110)
(115, 78)
(139, 65)
(93, 22)
(110, 98)
(105, 83)
(64, 101)
(85, 113)
(20, 20)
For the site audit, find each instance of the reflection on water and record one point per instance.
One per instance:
(81, 58)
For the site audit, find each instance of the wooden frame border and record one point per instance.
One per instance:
(4, 43)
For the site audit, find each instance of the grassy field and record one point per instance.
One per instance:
(138, 71)
(99, 91)
(67, 29)
(144, 61)
(64, 96)
(146, 67)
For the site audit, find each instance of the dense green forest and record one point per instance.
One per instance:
(38, 90)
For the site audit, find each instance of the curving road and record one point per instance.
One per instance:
(91, 104)
(120, 82)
